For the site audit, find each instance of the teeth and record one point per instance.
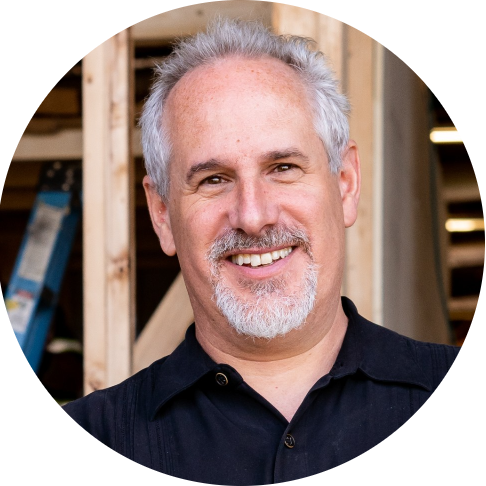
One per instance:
(255, 260)
(266, 258)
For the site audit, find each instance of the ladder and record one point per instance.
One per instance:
(34, 286)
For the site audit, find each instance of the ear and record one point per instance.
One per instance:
(350, 183)
(159, 214)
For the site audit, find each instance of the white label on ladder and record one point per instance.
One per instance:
(42, 237)
(19, 308)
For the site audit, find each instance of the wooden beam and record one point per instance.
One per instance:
(461, 191)
(166, 328)
(466, 255)
(326, 31)
(462, 307)
(288, 19)
(64, 145)
(359, 86)
(108, 236)
(330, 38)
(194, 18)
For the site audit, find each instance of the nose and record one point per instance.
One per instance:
(254, 208)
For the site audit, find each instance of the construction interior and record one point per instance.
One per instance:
(414, 258)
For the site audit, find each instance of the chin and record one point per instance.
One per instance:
(269, 312)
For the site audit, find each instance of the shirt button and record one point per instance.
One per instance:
(221, 379)
(289, 441)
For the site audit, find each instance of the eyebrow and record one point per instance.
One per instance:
(210, 164)
(272, 155)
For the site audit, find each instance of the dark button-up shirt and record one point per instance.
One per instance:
(190, 417)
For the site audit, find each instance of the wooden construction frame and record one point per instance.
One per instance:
(108, 216)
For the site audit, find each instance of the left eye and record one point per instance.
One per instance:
(283, 167)
(213, 180)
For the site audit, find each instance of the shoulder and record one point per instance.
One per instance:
(388, 356)
(393, 356)
(103, 412)
(438, 358)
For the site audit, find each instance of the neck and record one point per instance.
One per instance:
(282, 374)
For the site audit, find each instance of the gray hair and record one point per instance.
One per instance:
(226, 38)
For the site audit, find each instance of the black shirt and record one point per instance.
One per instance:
(190, 417)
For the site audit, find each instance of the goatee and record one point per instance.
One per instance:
(270, 311)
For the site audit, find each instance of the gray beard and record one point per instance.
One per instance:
(268, 312)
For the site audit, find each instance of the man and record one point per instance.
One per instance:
(252, 180)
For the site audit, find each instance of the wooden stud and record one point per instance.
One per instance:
(326, 31)
(287, 19)
(330, 38)
(359, 238)
(189, 20)
(108, 237)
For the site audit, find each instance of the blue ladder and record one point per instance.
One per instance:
(34, 286)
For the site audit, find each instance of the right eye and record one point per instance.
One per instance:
(213, 180)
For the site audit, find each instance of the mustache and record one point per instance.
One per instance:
(278, 235)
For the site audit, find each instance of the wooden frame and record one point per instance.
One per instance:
(108, 237)
(363, 245)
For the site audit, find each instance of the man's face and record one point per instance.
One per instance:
(253, 207)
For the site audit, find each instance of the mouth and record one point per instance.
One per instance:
(262, 259)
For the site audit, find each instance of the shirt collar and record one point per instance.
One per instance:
(180, 370)
(379, 353)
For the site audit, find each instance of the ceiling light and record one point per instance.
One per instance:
(460, 225)
(445, 135)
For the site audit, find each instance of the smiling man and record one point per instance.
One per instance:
(252, 180)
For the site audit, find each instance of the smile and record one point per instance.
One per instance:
(260, 259)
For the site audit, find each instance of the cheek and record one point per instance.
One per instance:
(325, 227)
(199, 225)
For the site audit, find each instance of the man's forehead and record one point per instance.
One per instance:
(211, 84)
